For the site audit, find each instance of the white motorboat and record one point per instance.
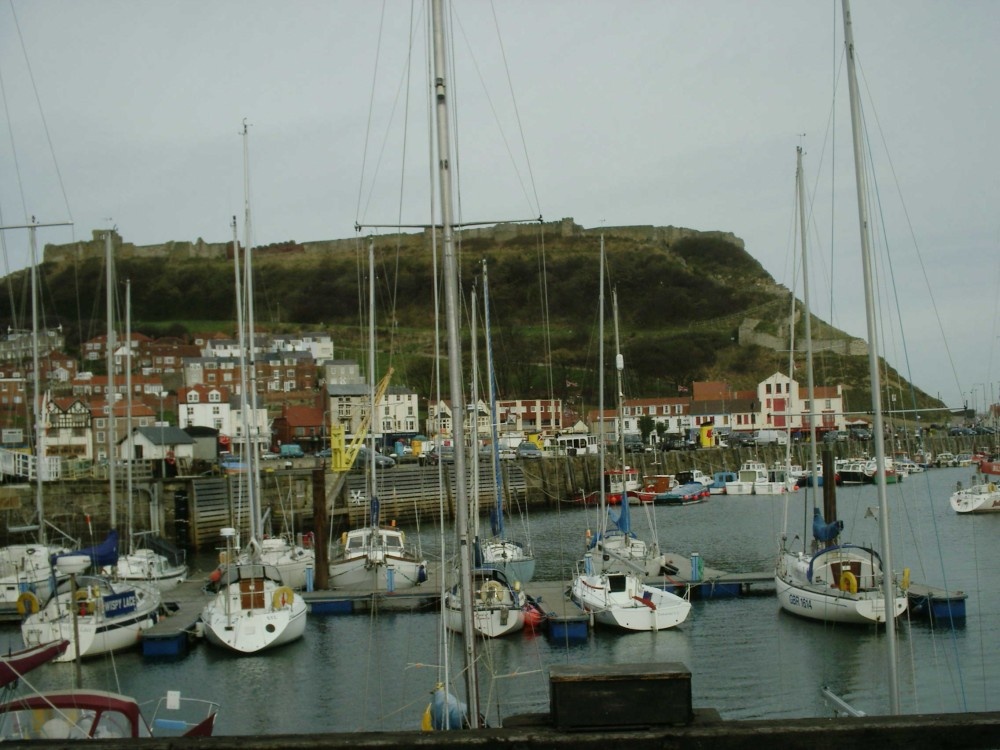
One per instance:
(623, 600)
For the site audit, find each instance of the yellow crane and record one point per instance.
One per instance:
(342, 455)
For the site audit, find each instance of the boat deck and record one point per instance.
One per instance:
(177, 627)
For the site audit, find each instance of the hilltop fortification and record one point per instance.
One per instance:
(500, 233)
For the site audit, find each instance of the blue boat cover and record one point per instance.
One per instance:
(105, 553)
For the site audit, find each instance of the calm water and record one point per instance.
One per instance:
(748, 659)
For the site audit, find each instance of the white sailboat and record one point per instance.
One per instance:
(253, 610)
(616, 594)
(26, 574)
(374, 558)
(142, 562)
(95, 613)
(829, 581)
(513, 558)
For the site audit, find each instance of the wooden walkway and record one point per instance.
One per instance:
(175, 630)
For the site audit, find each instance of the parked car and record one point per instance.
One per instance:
(269, 456)
(860, 433)
(325, 453)
(381, 462)
(528, 449)
(736, 439)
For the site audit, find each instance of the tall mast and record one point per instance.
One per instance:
(888, 592)
(371, 377)
(244, 403)
(454, 357)
(128, 408)
(600, 384)
(624, 523)
(36, 395)
(111, 390)
(252, 427)
(801, 190)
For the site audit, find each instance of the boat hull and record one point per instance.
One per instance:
(248, 620)
(105, 616)
(979, 498)
(825, 587)
(622, 601)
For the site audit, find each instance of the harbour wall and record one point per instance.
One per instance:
(192, 510)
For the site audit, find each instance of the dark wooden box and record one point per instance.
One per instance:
(619, 696)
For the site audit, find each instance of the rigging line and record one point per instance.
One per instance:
(517, 112)
(371, 106)
(41, 111)
(909, 224)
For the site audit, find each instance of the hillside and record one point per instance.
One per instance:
(692, 305)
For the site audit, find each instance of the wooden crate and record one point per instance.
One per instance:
(619, 696)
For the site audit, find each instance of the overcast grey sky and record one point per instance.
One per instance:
(614, 113)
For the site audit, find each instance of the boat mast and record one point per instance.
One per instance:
(241, 338)
(128, 412)
(624, 521)
(111, 391)
(372, 420)
(498, 525)
(252, 427)
(600, 391)
(888, 589)
(811, 387)
(454, 358)
(36, 394)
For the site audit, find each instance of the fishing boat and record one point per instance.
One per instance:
(684, 494)
(655, 485)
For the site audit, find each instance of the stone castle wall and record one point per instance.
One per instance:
(199, 249)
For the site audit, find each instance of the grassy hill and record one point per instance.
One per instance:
(682, 297)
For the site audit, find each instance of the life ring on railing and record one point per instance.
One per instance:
(81, 594)
(491, 591)
(848, 582)
(905, 583)
(27, 603)
(282, 597)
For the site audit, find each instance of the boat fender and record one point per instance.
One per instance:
(27, 603)
(905, 584)
(491, 591)
(282, 597)
(343, 538)
(215, 576)
(848, 582)
(993, 488)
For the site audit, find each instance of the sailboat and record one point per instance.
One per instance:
(96, 613)
(26, 574)
(142, 562)
(830, 581)
(374, 558)
(514, 559)
(253, 609)
(617, 594)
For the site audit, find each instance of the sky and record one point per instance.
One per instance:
(654, 112)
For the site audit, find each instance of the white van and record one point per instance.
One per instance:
(766, 437)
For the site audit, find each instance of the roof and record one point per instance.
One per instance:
(168, 435)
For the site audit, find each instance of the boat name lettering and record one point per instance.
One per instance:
(120, 604)
(798, 601)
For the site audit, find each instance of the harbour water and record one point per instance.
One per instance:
(374, 671)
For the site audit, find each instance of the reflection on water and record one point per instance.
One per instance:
(375, 671)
